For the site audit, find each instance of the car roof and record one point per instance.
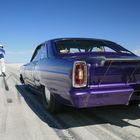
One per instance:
(75, 38)
(95, 39)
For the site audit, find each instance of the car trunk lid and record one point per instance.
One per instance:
(113, 70)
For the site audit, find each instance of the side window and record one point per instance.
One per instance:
(37, 55)
(40, 53)
(43, 53)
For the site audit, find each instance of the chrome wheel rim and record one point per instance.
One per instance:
(47, 95)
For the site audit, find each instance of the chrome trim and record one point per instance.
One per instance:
(124, 59)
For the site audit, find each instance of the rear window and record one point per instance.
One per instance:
(88, 46)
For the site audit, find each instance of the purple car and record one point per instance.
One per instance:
(82, 73)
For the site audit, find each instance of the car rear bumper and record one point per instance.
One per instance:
(101, 96)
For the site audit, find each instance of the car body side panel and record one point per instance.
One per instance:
(56, 75)
(27, 73)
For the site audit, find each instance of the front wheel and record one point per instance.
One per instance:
(50, 102)
(21, 79)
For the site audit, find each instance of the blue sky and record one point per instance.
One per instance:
(26, 23)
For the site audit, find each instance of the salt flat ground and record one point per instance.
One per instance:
(23, 117)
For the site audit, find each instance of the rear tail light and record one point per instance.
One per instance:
(79, 74)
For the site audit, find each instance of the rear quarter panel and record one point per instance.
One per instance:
(56, 75)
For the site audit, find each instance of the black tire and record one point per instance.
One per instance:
(50, 102)
(21, 79)
(134, 103)
(23, 82)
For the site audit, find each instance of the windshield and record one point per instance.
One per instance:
(88, 46)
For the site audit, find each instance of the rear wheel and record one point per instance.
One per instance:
(134, 103)
(50, 102)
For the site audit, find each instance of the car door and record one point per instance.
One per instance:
(34, 69)
(38, 65)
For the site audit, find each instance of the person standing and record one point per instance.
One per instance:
(2, 64)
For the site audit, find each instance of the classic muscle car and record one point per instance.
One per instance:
(83, 72)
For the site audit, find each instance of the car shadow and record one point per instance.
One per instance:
(115, 115)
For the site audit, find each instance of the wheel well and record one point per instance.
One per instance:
(21, 79)
(43, 89)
